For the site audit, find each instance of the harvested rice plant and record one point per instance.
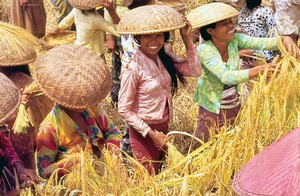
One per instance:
(270, 111)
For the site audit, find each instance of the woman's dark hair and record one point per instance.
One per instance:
(203, 31)
(24, 69)
(250, 4)
(88, 11)
(169, 64)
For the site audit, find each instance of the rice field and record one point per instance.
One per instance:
(270, 111)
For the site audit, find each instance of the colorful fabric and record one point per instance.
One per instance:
(8, 152)
(145, 95)
(129, 49)
(144, 149)
(59, 136)
(216, 73)
(116, 70)
(8, 158)
(32, 18)
(90, 29)
(258, 22)
(287, 16)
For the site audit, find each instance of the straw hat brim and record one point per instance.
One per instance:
(10, 98)
(150, 19)
(274, 171)
(17, 46)
(211, 13)
(73, 76)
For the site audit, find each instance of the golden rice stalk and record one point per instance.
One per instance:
(36, 112)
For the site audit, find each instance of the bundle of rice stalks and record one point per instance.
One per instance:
(63, 37)
(39, 108)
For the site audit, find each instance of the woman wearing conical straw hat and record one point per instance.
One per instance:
(90, 25)
(76, 79)
(8, 157)
(17, 51)
(217, 92)
(151, 78)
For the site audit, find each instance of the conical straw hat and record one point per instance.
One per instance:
(9, 99)
(150, 19)
(73, 76)
(274, 171)
(86, 4)
(17, 45)
(210, 13)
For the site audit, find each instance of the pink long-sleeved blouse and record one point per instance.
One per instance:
(145, 95)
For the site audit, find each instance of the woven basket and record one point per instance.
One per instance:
(17, 45)
(86, 4)
(73, 76)
(274, 171)
(210, 13)
(62, 38)
(150, 19)
(9, 99)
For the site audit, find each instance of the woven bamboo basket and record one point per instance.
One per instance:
(9, 99)
(64, 37)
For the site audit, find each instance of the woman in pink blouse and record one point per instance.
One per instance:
(148, 83)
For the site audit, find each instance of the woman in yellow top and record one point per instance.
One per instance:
(90, 25)
(76, 79)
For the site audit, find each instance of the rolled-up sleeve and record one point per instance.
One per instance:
(215, 65)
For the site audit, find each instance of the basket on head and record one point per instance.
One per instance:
(9, 99)
(150, 19)
(73, 76)
(86, 4)
(210, 13)
(274, 171)
(17, 45)
(63, 37)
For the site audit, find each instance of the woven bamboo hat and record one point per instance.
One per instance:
(73, 76)
(210, 13)
(274, 171)
(150, 19)
(86, 4)
(17, 45)
(9, 99)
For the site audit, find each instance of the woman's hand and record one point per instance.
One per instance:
(54, 31)
(187, 29)
(185, 33)
(25, 98)
(291, 46)
(255, 71)
(28, 176)
(23, 3)
(110, 43)
(159, 139)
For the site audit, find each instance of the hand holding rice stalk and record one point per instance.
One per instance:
(24, 120)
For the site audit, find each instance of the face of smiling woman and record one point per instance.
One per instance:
(223, 31)
(151, 44)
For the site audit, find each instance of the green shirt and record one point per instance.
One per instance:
(216, 73)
